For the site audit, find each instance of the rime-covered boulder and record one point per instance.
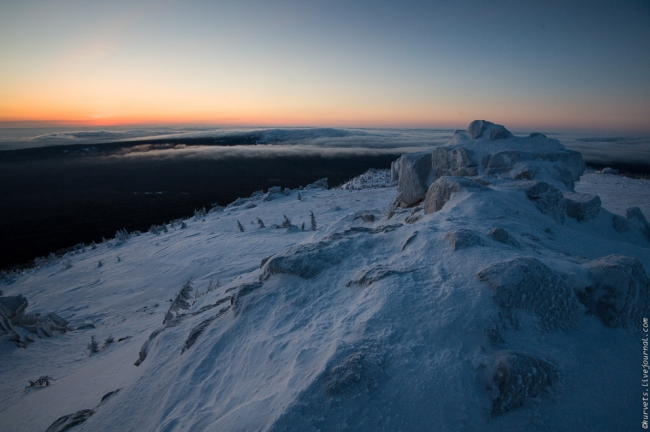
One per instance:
(441, 190)
(528, 284)
(502, 236)
(581, 206)
(463, 238)
(489, 130)
(619, 293)
(548, 200)
(515, 377)
(455, 162)
(415, 176)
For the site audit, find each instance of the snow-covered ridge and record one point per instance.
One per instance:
(494, 301)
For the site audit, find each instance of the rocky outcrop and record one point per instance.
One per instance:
(548, 200)
(486, 149)
(581, 206)
(441, 190)
(619, 293)
(528, 284)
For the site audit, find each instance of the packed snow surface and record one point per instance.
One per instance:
(316, 309)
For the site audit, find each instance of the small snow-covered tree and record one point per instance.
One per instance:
(93, 346)
(240, 226)
(99, 263)
(122, 235)
(299, 197)
(313, 221)
(286, 223)
(181, 301)
(260, 223)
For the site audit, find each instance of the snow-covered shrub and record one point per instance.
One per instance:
(67, 264)
(93, 346)
(122, 235)
(99, 263)
(240, 227)
(213, 285)
(260, 223)
(180, 302)
(313, 221)
(200, 213)
(43, 381)
(286, 223)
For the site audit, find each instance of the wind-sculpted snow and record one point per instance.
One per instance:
(374, 319)
(526, 283)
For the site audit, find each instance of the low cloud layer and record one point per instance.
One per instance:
(222, 143)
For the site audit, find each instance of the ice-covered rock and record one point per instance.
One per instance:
(528, 284)
(619, 293)
(463, 238)
(415, 176)
(581, 206)
(487, 149)
(516, 377)
(548, 200)
(441, 190)
(502, 236)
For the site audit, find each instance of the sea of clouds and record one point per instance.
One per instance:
(270, 142)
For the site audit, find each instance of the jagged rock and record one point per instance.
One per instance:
(69, 421)
(516, 377)
(478, 128)
(415, 176)
(441, 190)
(526, 283)
(13, 307)
(463, 238)
(581, 206)
(637, 220)
(502, 236)
(548, 200)
(620, 291)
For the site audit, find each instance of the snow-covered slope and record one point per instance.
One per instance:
(489, 314)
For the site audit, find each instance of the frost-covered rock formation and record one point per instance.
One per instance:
(488, 150)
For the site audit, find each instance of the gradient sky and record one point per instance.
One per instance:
(525, 64)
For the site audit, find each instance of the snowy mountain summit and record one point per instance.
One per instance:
(482, 293)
